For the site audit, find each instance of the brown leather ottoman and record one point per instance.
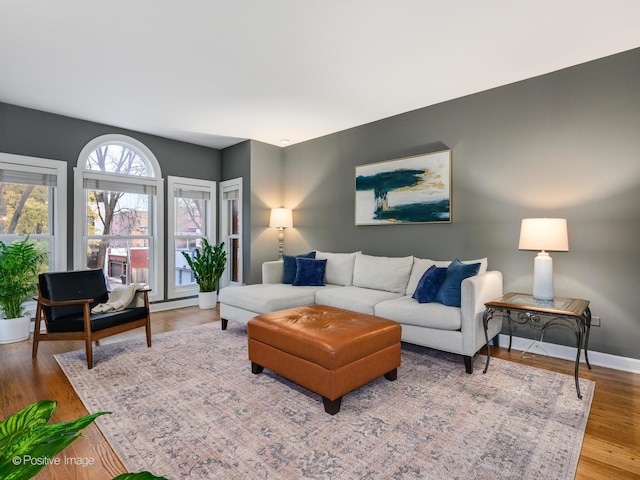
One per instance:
(328, 350)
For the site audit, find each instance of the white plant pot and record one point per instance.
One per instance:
(207, 299)
(14, 329)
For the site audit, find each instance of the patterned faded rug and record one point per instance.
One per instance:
(189, 407)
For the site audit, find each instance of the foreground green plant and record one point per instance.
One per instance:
(28, 443)
(138, 476)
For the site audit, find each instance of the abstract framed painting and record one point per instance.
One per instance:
(413, 189)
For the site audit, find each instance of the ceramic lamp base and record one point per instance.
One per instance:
(543, 277)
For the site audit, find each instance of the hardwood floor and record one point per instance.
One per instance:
(611, 448)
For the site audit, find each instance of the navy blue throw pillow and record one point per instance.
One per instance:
(429, 284)
(310, 272)
(290, 265)
(450, 291)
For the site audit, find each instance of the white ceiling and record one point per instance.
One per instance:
(215, 72)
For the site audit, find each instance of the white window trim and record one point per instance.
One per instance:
(226, 186)
(174, 291)
(45, 165)
(79, 225)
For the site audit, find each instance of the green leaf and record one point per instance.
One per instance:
(30, 450)
(138, 476)
(20, 424)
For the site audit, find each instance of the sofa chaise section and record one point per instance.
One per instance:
(241, 303)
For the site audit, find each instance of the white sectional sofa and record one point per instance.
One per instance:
(381, 286)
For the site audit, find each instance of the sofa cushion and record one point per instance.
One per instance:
(421, 265)
(482, 261)
(262, 298)
(429, 284)
(309, 272)
(450, 292)
(339, 270)
(353, 298)
(408, 311)
(390, 274)
(290, 267)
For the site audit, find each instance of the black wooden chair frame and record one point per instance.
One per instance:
(87, 334)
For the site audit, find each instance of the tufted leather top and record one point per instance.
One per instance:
(327, 336)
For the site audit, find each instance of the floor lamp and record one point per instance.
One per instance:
(281, 218)
(543, 234)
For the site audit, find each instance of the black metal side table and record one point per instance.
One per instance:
(572, 313)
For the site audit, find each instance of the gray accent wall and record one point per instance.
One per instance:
(260, 165)
(34, 133)
(566, 144)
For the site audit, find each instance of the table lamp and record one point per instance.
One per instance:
(543, 234)
(281, 218)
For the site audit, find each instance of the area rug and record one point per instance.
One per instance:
(189, 407)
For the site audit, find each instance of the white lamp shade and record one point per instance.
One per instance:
(544, 234)
(281, 217)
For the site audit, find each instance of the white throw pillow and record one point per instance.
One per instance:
(482, 261)
(390, 274)
(339, 270)
(420, 265)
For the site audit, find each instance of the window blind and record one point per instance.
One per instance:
(118, 186)
(179, 192)
(28, 178)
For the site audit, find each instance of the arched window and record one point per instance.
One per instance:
(118, 209)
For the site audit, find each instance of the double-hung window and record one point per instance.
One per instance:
(33, 202)
(191, 206)
(118, 212)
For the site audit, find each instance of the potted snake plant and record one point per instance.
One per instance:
(207, 266)
(20, 264)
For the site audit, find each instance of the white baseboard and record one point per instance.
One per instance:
(173, 304)
(607, 360)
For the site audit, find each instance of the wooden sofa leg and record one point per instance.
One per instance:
(224, 322)
(468, 364)
(392, 375)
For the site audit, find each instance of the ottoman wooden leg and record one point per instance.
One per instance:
(224, 322)
(332, 406)
(255, 368)
(392, 375)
